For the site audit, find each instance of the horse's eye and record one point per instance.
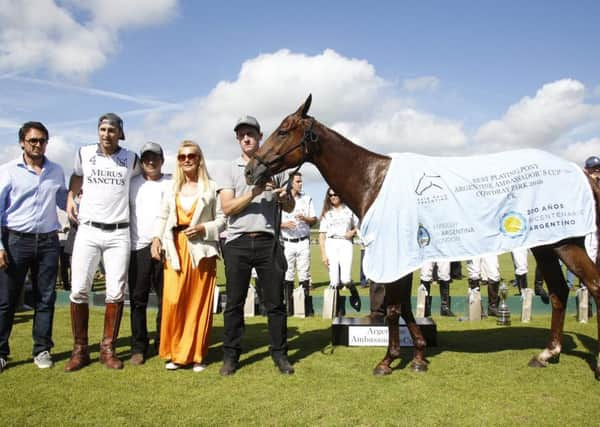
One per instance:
(281, 132)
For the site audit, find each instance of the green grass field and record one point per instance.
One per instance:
(478, 375)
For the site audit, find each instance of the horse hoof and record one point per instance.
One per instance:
(418, 366)
(537, 363)
(554, 359)
(382, 370)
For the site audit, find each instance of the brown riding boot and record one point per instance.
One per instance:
(79, 322)
(112, 321)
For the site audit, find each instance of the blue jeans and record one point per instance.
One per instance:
(39, 256)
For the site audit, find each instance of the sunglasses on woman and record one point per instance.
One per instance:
(333, 195)
(189, 156)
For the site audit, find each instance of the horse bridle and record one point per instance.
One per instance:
(309, 137)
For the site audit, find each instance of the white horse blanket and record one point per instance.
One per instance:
(456, 208)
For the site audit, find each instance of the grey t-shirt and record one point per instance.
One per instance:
(259, 215)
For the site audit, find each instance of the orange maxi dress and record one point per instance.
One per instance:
(187, 302)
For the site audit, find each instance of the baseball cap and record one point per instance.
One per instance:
(114, 120)
(592, 162)
(248, 121)
(152, 147)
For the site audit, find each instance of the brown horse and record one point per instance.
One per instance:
(357, 175)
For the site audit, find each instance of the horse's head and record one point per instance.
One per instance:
(288, 146)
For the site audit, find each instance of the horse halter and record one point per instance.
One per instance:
(309, 137)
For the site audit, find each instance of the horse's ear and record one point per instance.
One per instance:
(303, 110)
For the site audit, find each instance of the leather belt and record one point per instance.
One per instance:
(40, 236)
(254, 235)
(107, 227)
(179, 228)
(299, 239)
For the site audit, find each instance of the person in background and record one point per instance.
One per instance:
(146, 194)
(486, 267)
(188, 227)
(295, 233)
(519, 258)
(443, 278)
(337, 229)
(31, 188)
(64, 259)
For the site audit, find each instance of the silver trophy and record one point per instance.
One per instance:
(503, 317)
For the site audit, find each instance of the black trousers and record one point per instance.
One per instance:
(240, 256)
(145, 273)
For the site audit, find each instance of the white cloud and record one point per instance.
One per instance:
(46, 34)
(424, 83)
(407, 130)
(9, 124)
(556, 109)
(61, 152)
(119, 14)
(578, 152)
(270, 86)
(144, 101)
(347, 95)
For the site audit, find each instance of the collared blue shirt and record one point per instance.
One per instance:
(28, 201)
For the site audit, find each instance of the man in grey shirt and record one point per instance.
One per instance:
(250, 244)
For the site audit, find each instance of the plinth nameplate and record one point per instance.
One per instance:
(366, 332)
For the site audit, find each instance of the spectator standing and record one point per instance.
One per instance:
(443, 278)
(31, 188)
(295, 233)
(486, 268)
(337, 229)
(64, 261)
(519, 258)
(146, 194)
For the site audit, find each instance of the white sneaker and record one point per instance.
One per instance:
(199, 367)
(43, 360)
(2, 364)
(170, 366)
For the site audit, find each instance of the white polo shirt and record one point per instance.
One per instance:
(146, 197)
(106, 181)
(304, 206)
(337, 221)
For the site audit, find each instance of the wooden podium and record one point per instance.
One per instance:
(365, 332)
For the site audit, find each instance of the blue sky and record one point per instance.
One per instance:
(436, 77)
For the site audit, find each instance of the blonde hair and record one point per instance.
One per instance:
(179, 177)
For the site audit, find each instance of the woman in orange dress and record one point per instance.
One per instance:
(187, 233)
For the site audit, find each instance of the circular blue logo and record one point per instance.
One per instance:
(423, 236)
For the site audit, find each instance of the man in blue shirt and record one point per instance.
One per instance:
(31, 187)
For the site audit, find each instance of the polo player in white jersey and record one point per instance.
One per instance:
(103, 172)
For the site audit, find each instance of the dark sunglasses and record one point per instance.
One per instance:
(190, 156)
(333, 195)
(34, 141)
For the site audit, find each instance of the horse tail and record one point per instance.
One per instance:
(596, 191)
